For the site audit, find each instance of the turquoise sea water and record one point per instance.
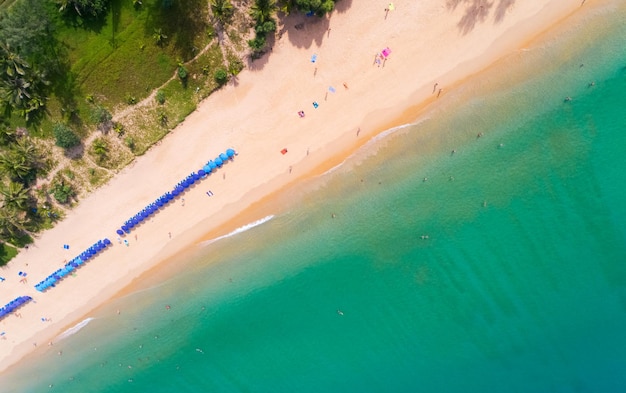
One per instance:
(504, 271)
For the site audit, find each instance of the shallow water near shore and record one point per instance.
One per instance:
(453, 263)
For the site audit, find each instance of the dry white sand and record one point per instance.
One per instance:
(432, 41)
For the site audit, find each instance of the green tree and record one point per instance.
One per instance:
(263, 11)
(21, 161)
(62, 192)
(64, 136)
(160, 97)
(84, 8)
(14, 196)
(100, 148)
(12, 223)
(223, 11)
(221, 76)
(100, 115)
(7, 134)
(27, 27)
(159, 37)
(318, 7)
(21, 87)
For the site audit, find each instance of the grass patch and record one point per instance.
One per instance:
(97, 176)
(7, 253)
(118, 57)
(151, 123)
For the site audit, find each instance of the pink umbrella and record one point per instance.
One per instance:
(386, 52)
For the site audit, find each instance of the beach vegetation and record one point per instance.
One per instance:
(12, 224)
(182, 72)
(64, 136)
(160, 97)
(100, 148)
(62, 191)
(159, 36)
(222, 10)
(83, 8)
(21, 161)
(7, 252)
(317, 7)
(14, 196)
(221, 76)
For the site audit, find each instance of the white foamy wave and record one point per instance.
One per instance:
(239, 230)
(375, 139)
(74, 329)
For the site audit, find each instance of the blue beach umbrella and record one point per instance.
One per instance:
(206, 169)
(224, 156)
(230, 153)
(125, 228)
(119, 232)
(219, 162)
(212, 165)
(201, 172)
(196, 177)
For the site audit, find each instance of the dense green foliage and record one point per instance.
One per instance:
(221, 76)
(84, 8)
(64, 136)
(262, 11)
(318, 7)
(6, 253)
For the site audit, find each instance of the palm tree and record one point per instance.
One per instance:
(14, 166)
(15, 196)
(12, 223)
(100, 148)
(159, 36)
(12, 63)
(222, 10)
(262, 10)
(7, 134)
(20, 163)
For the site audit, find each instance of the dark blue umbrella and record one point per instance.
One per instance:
(191, 180)
(224, 156)
(196, 176)
(125, 228)
(230, 153)
(120, 232)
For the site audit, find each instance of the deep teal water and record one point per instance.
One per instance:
(504, 271)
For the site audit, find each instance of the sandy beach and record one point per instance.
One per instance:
(434, 46)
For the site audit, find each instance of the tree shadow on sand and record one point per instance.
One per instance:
(477, 11)
(302, 32)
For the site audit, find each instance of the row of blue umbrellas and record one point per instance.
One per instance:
(14, 305)
(72, 265)
(178, 189)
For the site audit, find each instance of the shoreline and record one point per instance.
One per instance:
(233, 203)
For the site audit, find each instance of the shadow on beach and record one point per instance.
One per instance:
(477, 11)
(302, 32)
